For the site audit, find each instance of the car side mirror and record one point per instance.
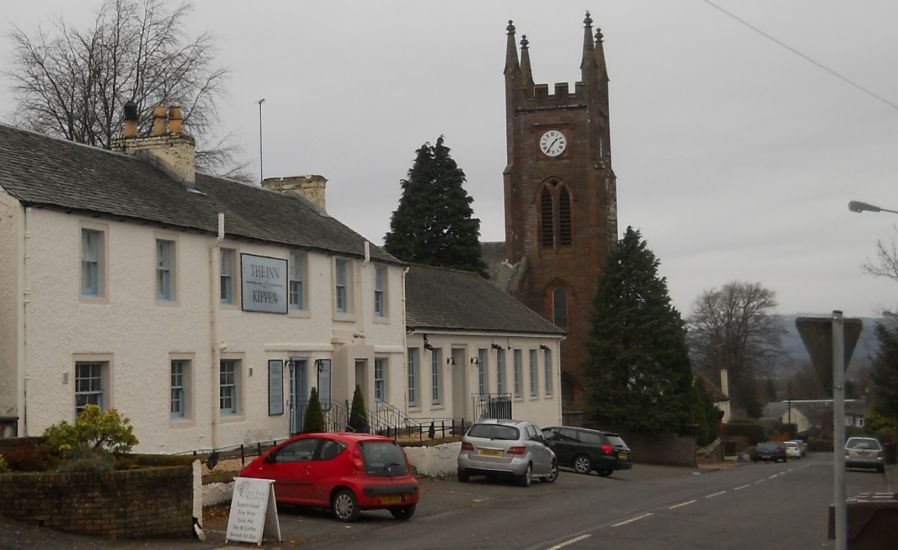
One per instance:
(271, 458)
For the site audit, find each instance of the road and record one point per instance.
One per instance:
(748, 506)
(752, 506)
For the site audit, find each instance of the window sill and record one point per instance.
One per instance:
(98, 300)
(344, 317)
(181, 423)
(437, 407)
(381, 320)
(166, 303)
(230, 418)
(299, 313)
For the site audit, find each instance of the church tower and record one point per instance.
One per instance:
(560, 197)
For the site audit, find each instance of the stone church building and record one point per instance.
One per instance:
(560, 198)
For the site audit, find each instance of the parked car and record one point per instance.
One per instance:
(506, 448)
(346, 472)
(802, 445)
(587, 450)
(793, 449)
(864, 452)
(769, 451)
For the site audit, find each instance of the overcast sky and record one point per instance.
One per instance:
(735, 157)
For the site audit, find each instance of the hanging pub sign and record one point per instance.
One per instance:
(264, 283)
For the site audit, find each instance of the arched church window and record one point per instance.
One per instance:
(556, 226)
(546, 223)
(559, 306)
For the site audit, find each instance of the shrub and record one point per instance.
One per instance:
(750, 429)
(107, 431)
(86, 460)
(358, 417)
(314, 419)
(30, 456)
(3, 466)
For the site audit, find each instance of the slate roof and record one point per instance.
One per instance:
(448, 299)
(41, 171)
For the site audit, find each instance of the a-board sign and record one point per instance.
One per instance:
(254, 512)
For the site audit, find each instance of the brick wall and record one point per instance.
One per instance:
(129, 504)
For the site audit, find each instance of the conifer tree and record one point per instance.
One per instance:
(434, 223)
(885, 370)
(358, 416)
(314, 419)
(637, 364)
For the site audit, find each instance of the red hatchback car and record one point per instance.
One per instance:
(346, 472)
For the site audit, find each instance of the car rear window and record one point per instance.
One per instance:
(494, 431)
(383, 458)
(862, 444)
(591, 438)
(615, 440)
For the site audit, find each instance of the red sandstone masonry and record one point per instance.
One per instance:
(135, 503)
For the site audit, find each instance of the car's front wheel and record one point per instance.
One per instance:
(582, 464)
(553, 473)
(527, 477)
(403, 513)
(345, 506)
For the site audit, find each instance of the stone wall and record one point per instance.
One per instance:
(434, 460)
(130, 504)
(672, 449)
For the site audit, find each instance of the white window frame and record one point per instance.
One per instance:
(381, 368)
(483, 378)
(342, 286)
(93, 262)
(297, 287)
(179, 408)
(413, 377)
(380, 291)
(228, 267)
(91, 384)
(518, 370)
(229, 382)
(166, 270)
(436, 376)
(534, 373)
(547, 360)
(500, 371)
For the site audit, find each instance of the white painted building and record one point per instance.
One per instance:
(473, 349)
(203, 309)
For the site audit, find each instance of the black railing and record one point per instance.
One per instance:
(493, 405)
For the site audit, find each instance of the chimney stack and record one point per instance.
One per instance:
(167, 146)
(310, 187)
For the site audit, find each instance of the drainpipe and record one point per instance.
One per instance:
(405, 345)
(26, 301)
(214, 300)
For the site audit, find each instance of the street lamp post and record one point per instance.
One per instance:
(261, 166)
(858, 206)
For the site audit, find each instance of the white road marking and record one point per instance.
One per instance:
(680, 505)
(569, 542)
(742, 487)
(712, 495)
(773, 476)
(760, 481)
(631, 520)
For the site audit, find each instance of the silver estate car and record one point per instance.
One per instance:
(506, 448)
(864, 452)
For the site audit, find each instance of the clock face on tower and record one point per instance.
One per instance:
(552, 143)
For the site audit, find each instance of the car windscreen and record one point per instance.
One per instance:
(494, 431)
(871, 444)
(383, 459)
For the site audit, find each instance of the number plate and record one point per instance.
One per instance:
(391, 499)
(623, 456)
(490, 452)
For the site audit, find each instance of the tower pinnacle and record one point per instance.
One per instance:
(511, 52)
(589, 57)
(526, 72)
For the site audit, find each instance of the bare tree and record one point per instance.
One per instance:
(73, 83)
(886, 263)
(734, 329)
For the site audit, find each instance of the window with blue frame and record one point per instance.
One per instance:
(380, 379)
(436, 376)
(534, 374)
(228, 257)
(380, 291)
(518, 373)
(413, 377)
(180, 374)
(91, 262)
(90, 377)
(228, 386)
(165, 269)
(297, 290)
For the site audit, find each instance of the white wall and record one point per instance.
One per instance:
(139, 335)
(543, 409)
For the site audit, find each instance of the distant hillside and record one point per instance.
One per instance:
(866, 348)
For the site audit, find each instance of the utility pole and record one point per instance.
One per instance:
(261, 165)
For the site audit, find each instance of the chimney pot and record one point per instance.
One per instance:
(131, 118)
(159, 122)
(175, 120)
